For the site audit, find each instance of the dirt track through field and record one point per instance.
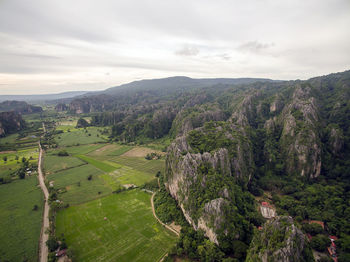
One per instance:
(43, 250)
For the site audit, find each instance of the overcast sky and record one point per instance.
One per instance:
(50, 46)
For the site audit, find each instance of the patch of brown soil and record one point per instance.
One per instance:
(177, 228)
(141, 152)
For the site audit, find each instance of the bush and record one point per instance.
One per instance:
(52, 243)
(63, 153)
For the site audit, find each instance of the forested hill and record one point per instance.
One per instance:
(234, 141)
(150, 91)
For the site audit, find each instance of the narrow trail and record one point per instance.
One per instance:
(155, 215)
(43, 250)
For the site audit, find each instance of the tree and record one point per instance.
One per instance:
(52, 243)
(82, 123)
(320, 242)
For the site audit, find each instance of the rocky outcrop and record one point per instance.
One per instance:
(189, 119)
(279, 240)
(336, 140)
(300, 140)
(91, 104)
(61, 107)
(184, 174)
(20, 107)
(10, 122)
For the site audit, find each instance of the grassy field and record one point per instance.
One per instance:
(80, 137)
(111, 150)
(103, 165)
(129, 233)
(54, 163)
(84, 149)
(75, 187)
(141, 164)
(20, 225)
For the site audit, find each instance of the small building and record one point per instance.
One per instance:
(333, 238)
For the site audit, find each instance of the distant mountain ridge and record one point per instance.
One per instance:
(46, 97)
(150, 91)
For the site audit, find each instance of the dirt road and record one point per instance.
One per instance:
(43, 253)
(155, 215)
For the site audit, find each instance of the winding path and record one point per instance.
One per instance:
(155, 215)
(44, 236)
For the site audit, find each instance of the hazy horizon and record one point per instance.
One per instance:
(55, 47)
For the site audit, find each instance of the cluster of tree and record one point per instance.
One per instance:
(153, 155)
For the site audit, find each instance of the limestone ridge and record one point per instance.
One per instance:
(300, 139)
(279, 128)
(185, 163)
(279, 240)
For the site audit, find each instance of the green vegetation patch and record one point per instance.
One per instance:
(54, 164)
(141, 164)
(15, 157)
(83, 149)
(104, 166)
(20, 224)
(111, 150)
(81, 136)
(119, 227)
(127, 175)
(74, 186)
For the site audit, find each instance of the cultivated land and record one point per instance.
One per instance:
(20, 224)
(79, 136)
(129, 232)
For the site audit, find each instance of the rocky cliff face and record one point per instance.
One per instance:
(20, 107)
(61, 107)
(195, 169)
(10, 122)
(91, 104)
(300, 140)
(279, 240)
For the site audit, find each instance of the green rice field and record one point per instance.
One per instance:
(20, 224)
(119, 227)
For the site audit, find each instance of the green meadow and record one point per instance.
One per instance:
(54, 163)
(119, 227)
(104, 166)
(80, 136)
(20, 224)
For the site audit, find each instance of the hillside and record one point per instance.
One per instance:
(148, 91)
(233, 141)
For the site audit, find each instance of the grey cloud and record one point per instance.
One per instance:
(187, 51)
(254, 46)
